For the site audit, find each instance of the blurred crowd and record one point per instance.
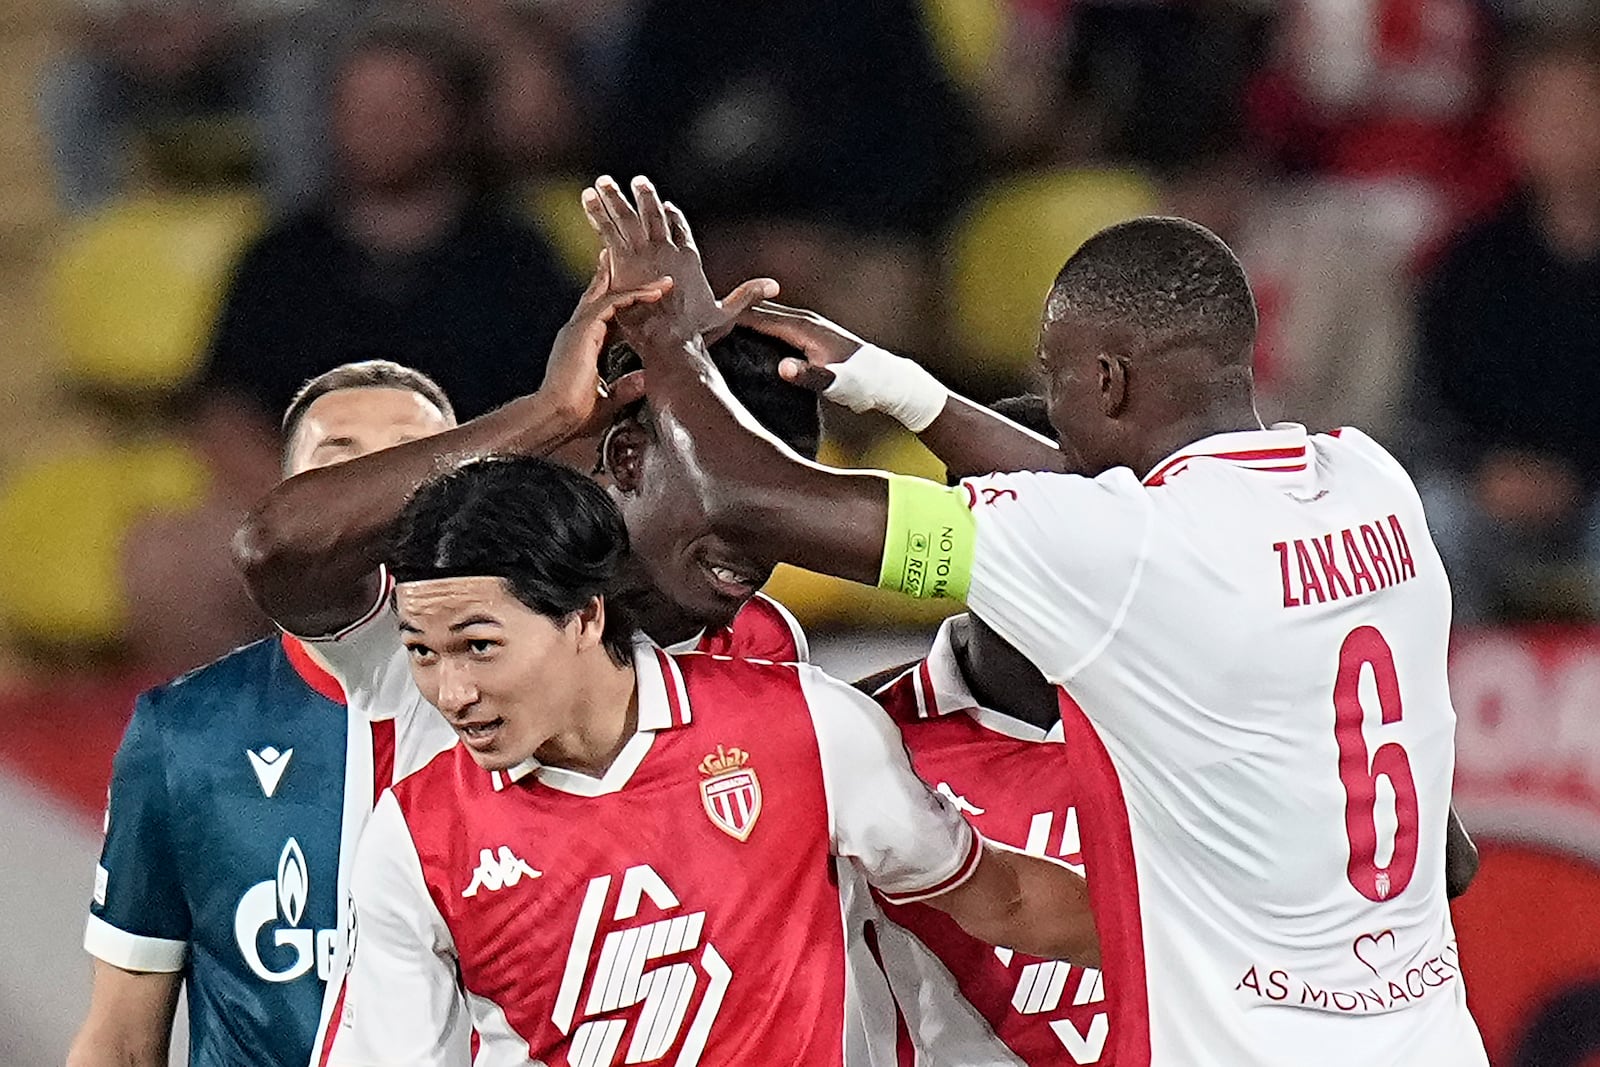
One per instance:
(1413, 185)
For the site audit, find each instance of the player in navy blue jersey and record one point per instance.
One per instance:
(234, 795)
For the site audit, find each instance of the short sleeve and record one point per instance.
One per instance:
(1057, 560)
(908, 842)
(400, 1003)
(139, 916)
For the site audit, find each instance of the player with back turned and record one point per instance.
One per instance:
(1247, 629)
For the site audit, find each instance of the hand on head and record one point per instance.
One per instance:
(572, 375)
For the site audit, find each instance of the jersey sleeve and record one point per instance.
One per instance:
(400, 1003)
(908, 842)
(1057, 561)
(139, 916)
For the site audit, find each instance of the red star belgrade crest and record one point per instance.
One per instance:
(731, 792)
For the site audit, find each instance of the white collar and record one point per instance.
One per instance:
(663, 704)
(942, 689)
(1282, 449)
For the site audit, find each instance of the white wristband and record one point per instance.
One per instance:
(874, 379)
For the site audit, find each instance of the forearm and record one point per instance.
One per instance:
(130, 1019)
(309, 551)
(755, 491)
(971, 440)
(1028, 904)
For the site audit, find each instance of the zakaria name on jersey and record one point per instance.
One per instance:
(960, 1002)
(684, 908)
(230, 795)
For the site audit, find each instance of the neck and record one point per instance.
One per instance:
(408, 220)
(1172, 434)
(605, 718)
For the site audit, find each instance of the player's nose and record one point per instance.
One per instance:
(457, 689)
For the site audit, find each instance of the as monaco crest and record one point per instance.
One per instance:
(731, 792)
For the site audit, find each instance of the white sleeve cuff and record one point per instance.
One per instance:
(955, 880)
(133, 952)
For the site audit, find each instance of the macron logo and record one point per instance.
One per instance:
(269, 765)
(498, 871)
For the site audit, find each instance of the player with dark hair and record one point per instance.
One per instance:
(629, 845)
(235, 800)
(1247, 629)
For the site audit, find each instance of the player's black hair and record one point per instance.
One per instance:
(749, 361)
(1174, 282)
(1029, 411)
(551, 534)
(366, 374)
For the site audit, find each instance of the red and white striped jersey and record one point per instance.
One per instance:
(965, 1003)
(1250, 645)
(368, 667)
(683, 908)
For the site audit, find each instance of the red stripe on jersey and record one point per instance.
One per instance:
(672, 681)
(311, 672)
(905, 1053)
(382, 757)
(1336, 432)
(899, 698)
(969, 865)
(1254, 455)
(333, 1026)
(1113, 884)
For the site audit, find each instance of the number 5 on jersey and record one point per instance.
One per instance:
(619, 978)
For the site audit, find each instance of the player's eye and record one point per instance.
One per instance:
(480, 647)
(420, 653)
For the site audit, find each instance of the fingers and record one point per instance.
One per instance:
(627, 389)
(601, 280)
(624, 219)
(652, 217)
(787, 328)
(805, 375)
(747, 295)
(645, 294)
(678, 225)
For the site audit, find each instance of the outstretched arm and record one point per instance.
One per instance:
(752, 487)
(841, 367)
(310, 550)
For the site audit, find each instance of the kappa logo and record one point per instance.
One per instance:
(498, 871)
(957, 801)
(731, 792)
(269, 765)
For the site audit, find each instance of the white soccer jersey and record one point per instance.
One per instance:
(1251, 651)
(682, 908)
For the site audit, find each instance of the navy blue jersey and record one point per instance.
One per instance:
(228, 805)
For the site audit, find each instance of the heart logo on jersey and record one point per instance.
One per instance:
(1369, 949)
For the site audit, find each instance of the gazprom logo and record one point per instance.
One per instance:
(280, 905)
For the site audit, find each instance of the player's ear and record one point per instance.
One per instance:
(622, 454)
(588, 623)
(1113, 380)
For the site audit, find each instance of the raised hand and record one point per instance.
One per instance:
(571, 377)
(650, 239)
(824, 343)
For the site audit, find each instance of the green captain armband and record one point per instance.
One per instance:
(927, 548)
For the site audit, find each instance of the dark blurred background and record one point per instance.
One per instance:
(204, 202)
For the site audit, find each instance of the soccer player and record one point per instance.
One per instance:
(631, 853)
(1247, 628)
(234, 801)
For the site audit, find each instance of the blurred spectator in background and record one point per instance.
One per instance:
(410, 258)
(1566, 1033)
(1511, 351)
(139, 64)
(819, 141)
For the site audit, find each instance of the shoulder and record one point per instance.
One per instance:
(245, 671)
(765, 629)
(441, 779)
